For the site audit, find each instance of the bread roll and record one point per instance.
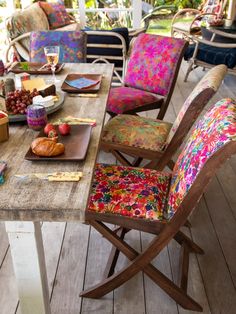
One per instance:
(44, 146)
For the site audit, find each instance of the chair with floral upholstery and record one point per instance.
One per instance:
(160, 203)
(158, 140)
(73, 45)
(150, 77)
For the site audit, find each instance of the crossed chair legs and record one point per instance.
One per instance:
(141, 262)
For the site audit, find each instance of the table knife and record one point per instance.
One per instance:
(54, 176)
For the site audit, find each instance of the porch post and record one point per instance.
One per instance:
(82, 15)
(137, 13)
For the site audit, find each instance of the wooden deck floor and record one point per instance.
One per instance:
(76, 254)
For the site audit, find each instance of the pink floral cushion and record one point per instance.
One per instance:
(56, 14)
(217, 128)
(153, 63)
(130, 192)
(122, 99)
(137, 131)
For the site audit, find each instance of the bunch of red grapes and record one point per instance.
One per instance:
(18, 101)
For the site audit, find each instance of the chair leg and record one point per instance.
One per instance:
(181, 238)
(137, 161)
(114, 254)
(139, 262)
(121, 158)
(190, 68)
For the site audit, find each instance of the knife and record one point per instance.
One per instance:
(84, 95)
(54, 176)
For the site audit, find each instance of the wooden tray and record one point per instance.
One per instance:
(93, 89)
(76, 144)
(34, 68)
(57, 105)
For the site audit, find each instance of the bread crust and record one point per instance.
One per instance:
(47, 147)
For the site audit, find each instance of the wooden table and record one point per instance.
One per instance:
(24, 204)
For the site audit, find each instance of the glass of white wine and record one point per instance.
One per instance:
(52, 55)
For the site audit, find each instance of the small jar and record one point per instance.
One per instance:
(36, 117)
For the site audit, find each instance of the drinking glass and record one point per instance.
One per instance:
(52, 55)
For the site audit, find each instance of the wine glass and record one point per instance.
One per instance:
(52, 55)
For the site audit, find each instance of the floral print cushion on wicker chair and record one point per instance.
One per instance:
(124, 99)
(137, 131)
(210, 134)
(72, 45)
(128, 191)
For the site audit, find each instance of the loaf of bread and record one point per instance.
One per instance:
(44, 146)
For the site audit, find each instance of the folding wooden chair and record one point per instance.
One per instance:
(160, 203)
(158, 140)
(150, 77)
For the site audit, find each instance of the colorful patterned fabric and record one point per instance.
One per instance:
(217, 128)
(72, 45)
(200, 96)
(136, 131)
(56, 14)
(30, 19)
(153, 63)
(122, 99)
(130, 192)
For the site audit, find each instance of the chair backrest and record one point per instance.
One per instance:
(211, 142)
(72, 45)
(154, 63)
(191, 109)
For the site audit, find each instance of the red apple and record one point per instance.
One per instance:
(48, 127)
(64, 129)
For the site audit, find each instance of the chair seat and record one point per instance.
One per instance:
(186, 27)
(137, 132)
(123, 99)
(213, 55)
(127, 191)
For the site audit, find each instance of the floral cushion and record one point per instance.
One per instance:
(30, 19)
(153, 63)
(56, 14)
(122, 99)
(128, 191)
(137, 131)
(217, 128)
(72, 45)
(200, 96)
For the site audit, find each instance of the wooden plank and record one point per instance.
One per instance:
(130, 298)
(8, 287)
(224, 224)
(195, 282)
(71, 268)
(216, 277)
(53, 235)
(4, 243)
(155, 297)
(98, 253)
(227, 179)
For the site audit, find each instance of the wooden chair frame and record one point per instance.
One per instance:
(163, 101)
(165, 232)
(160, 159)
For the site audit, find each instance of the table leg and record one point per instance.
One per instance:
(27, 252)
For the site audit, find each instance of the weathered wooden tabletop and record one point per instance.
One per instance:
(37, 200)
